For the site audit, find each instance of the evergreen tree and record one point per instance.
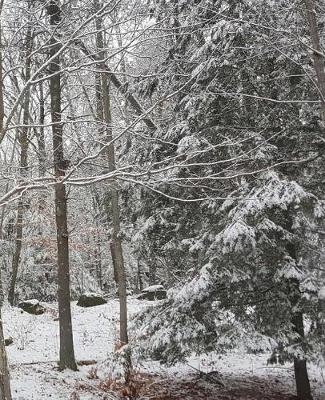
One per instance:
(242, 128)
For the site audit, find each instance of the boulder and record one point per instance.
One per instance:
(32, 306)
(91, 300)
(155, 292)
(9, 341)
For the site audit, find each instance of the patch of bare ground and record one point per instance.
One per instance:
(200, 387)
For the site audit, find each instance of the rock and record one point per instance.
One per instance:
(32, 306)
(155, 292)
(9, 341)
(91, 300)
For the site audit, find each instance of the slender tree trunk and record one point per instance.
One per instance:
(3, 208)
(41, 148)
(23, 141)
(140, 278)
(128, 141)
(5, 392)
(116, 244)
(41, 137)
(152, 271)
(113, 208)
(67, 358)
(98, 261)
(17, 253)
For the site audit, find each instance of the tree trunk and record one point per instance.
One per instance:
(318, 57)
(302, 381)
(67, 358)
(41, 149)
(23, 141)
(5, 392)
(319, 68)
(300, 365)
(118, 261)
(140, 277)
(113, 208)
(3, 208)
(152, 271)
(17, 253)
(41, 137)
(98, 261)
(128, 141)
(116, 245)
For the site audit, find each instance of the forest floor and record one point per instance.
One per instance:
(35, 376)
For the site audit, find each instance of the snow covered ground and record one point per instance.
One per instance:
(33, 355)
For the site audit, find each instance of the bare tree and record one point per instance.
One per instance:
(112, 206)
(67, 357)
(23, 141)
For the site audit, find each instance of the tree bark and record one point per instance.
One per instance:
(67, 357)
(140, 277)
(98, 261)
(5, 392)
(300, 365)
(41, 137)
(41, 148)
(152, 271)
(17, 253)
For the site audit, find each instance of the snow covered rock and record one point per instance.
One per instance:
(155, 292)
(32, 306)
(91, 300)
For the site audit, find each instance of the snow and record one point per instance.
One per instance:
(236, 368)
(236, 237)
(33, 302)
(33, 355)
(92, 294)
(153, 288)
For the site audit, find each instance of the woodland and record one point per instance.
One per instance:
(162, 210)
